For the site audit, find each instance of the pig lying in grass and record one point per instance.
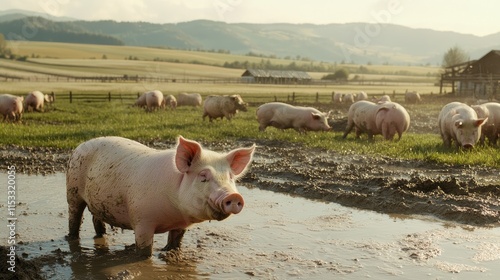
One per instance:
(131, 186)
(284, 116)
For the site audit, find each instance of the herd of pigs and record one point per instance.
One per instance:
(458, 122)
(129, 185)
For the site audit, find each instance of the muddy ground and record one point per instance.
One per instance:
(465, 194)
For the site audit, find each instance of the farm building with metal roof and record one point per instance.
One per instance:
(275, 77)
(480, 78)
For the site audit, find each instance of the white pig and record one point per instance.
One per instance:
(337, 97)
(189, 99)
(170, 101)
(412, 97)
(223, 106)
(361, 96)
(387, 118)
(361, 116)
(284, 116)
(141, 100)
(154, 100)
(348, 98)
(35, 101)
(392, 118)
(131, 186)
(11, 107)
(491, 128)
(459, 122)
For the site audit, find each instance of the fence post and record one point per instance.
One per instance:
(317, 97)
(275, 98)
(293, 96)
(70, 97)
(53, 97)
(109, 96)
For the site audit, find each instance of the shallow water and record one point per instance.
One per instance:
(276, 236)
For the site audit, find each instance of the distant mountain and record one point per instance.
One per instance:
(41, 29)
(360, 43)
(18, 14)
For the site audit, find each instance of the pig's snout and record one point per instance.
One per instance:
(468, 146)
(232, 204)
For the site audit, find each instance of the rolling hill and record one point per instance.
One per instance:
(350, 42)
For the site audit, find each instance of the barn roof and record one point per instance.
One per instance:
(488, 64)
(277, 74)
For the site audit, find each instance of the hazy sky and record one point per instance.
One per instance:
(478, 17)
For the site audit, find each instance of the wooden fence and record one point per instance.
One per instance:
(325, 97)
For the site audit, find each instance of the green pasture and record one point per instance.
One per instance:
(66, 125)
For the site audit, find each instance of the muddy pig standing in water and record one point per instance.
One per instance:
(459, 122)
(129, 185)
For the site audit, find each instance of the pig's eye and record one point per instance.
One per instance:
(204, 178)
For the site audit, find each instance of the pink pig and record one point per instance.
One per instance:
(392, 118)
(386, 118)
(154, 100)
(459, 122)
(11, 107)
(131, 186)
(284, 116)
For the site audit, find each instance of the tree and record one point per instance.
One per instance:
(4, 51)
(454, 56)
(339, 75)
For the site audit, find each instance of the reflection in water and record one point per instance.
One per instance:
(276, 236)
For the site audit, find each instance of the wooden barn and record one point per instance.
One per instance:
(479, 78)
(275, 77)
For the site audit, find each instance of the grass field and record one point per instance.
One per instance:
(66, 125)
(88, 59)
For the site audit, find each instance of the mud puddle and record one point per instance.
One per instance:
(277, 236)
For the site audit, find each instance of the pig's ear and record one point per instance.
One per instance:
(480, 122)
(239, 159)
(186, 153)
(315, 116)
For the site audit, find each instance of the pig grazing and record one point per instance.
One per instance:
(35, 101)
(154, 100)
(459, 122)
(131, 186)
(284, 116)
(361, 96)
(11, 107)
(337, 97)
(491, 128)
(392, 118)
(223, 106)
(141, 101)
(348, 98)
(387, 118)
(170, 101)
(189, 99)
(361, 116)
(412, 97)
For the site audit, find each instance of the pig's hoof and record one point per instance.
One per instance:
(71, 237)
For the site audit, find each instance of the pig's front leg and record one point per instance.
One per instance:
(174, 239)
(144, 241)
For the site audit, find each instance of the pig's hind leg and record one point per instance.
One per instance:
(75, 209)
(99, 227)
(174, 239)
